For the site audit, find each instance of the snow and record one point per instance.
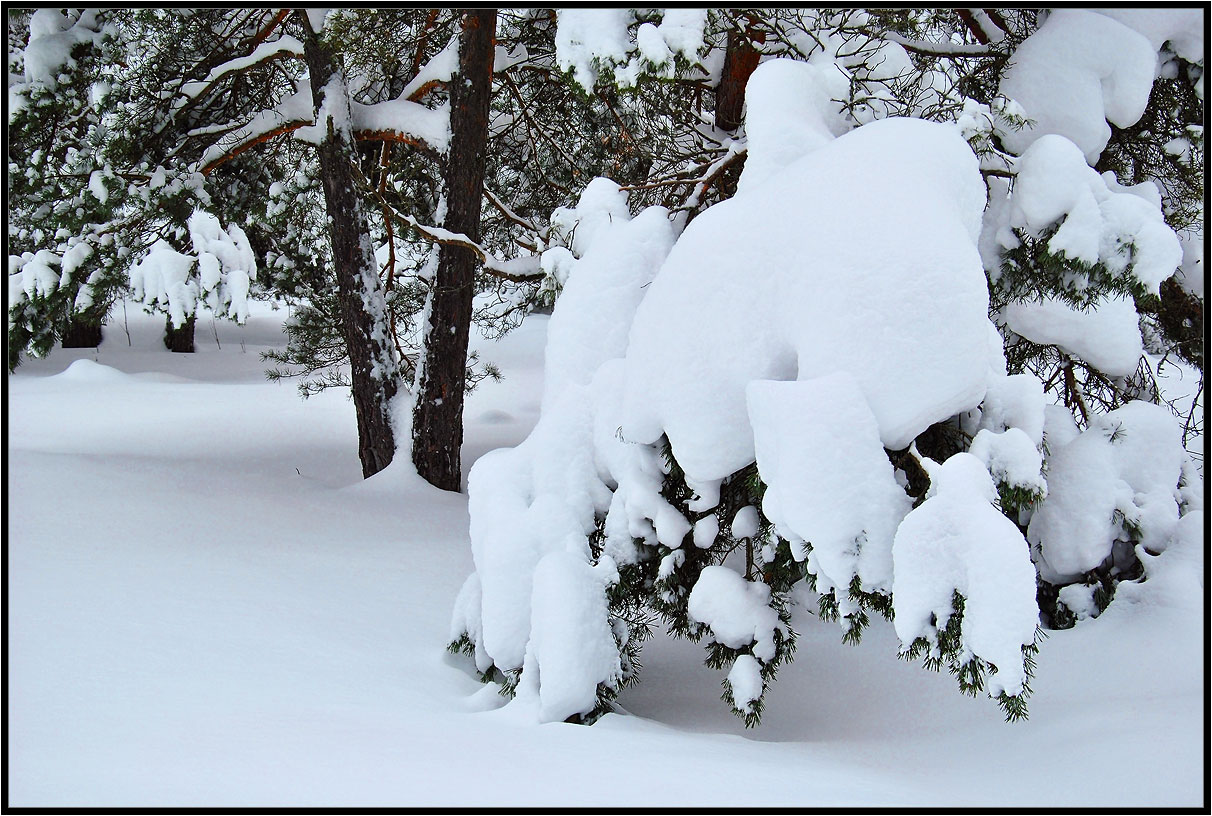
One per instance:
(226, 264)
(73, 258)
(706, 530)
(600, 204)
(284, 44)
(571, 646)
(1015, 401)
(96, 186)
(1122, 228)
(1011, 457)
(317, 18)
(601, 294)
(1183, 28)
(240, 634)
(1126, 464)
(956, 541)
(440, 68)
(161, 278)
(412, 120)
(868, 265)
(735, 610)
(587, 39)
(790, 112)
(682, 31)
(745, 680)
(226, 268)
(1107, 335)
(745, 522)
(828, 479)
(1191, 274)
(594, 44)
(1077, 72)
(1079, 599)
(52, 37)
(256, 625)
(429, 125)
(541, 497)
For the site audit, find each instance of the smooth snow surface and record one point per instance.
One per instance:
(1075, 74)
(868, 265)
(789, 112)
(1107, 335)
(828, 479)
(208, 607)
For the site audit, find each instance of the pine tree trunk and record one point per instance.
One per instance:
(179, 338)
(740, 60)
(81, 334)
(437, 435)
(373, 372)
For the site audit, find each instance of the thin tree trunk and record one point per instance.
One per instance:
(81, 334)
(437, 434)
(179, 338)
(363, 308)
(740, 60)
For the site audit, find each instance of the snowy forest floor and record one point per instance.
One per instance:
(207, 606)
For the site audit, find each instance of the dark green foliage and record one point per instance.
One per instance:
(1053, 614)
(1138, 152)
(1031, 271)
(945, 648)
(464, 645)
(1013, 499)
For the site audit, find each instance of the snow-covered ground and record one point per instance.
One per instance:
(207, 606)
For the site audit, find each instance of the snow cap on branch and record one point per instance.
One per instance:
(1079, 71)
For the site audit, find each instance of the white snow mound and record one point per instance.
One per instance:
(867, 264)
(1079, 71)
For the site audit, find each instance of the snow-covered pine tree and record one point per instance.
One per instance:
(57, 182)
(141, 94)
(724, 442)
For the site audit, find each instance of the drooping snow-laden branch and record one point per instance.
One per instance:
(518, 270)
(397, 120)
(403, 119)
(523, 269)
(270, 27)
(982, 25)
(190, 93)
(700, 183)
(281, 48)
(938, 49)
(541, 233)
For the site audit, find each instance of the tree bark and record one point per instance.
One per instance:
(740, 60)
(179, 338)
(373, 369)
(437, 431)
(79, 333)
